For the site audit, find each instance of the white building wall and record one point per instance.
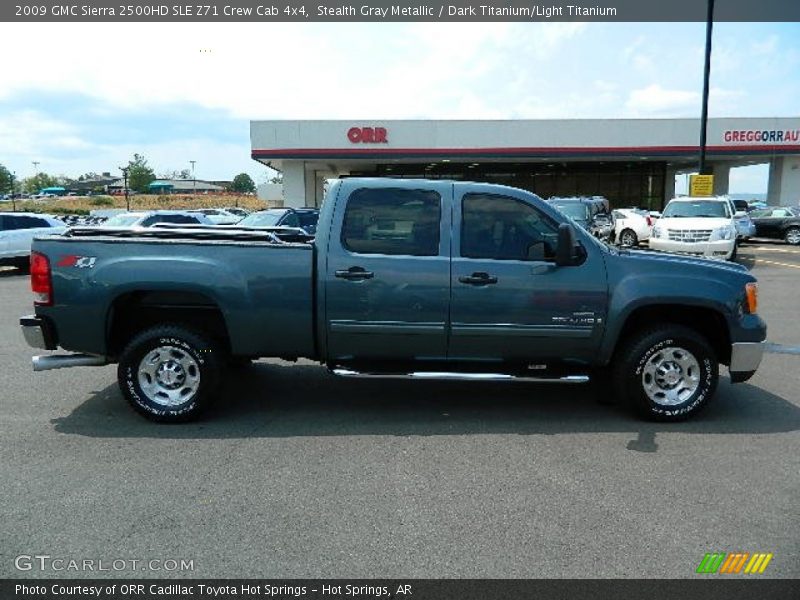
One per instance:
(783, 188)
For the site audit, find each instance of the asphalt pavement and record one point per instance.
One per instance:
(298, 474)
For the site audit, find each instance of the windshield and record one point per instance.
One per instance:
(122, 220)
(697, 208)
(574, 210)
(267, 218)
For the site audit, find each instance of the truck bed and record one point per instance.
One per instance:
(261, 285)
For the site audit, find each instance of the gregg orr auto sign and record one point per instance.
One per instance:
(763, 136)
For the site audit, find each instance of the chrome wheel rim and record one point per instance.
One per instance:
(671, 376)
(793, 236)
(628, 238)
(169, 376)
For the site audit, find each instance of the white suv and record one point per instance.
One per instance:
(703, 226)
(17, 230)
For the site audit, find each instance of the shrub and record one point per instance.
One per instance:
(102, 201)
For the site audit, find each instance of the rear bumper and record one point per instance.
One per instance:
(38, 332)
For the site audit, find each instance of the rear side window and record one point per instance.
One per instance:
(291, 220)
(392, 221)
(24, 223)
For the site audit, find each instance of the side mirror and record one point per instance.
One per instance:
(565, 250)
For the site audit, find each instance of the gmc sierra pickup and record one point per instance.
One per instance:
(405, 278)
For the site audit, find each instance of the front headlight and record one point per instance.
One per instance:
(723, 233)
(656, 233)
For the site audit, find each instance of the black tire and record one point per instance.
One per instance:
(792, 234)
(735, 252)
(629, 233)
(193, 361)
(636, 364)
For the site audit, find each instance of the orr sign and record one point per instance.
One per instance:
(367, 135)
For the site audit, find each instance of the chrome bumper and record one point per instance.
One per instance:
(746, 356)
(36, 333)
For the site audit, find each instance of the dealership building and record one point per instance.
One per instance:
(632, 162)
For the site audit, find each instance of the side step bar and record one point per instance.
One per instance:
(64, 361)
(458, 376)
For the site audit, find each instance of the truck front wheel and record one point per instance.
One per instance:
(668, 373)
(169, 373)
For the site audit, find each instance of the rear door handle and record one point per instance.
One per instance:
(354, 274)
(478, 279)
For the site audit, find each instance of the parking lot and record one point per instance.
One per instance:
(298, 474)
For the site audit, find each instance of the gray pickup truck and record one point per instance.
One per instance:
(405, 278)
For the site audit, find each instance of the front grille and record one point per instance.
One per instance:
(690, 236)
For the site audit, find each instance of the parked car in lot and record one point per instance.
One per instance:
(218, 216)
(591, 213)
(777, 222)
(631, 226)
(150, 218)
(703, 226)
(18, 229)
(406, 278)
(238, 211)
(304, 218)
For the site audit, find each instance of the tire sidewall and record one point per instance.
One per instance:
(630, 232)
(708, 378)
(786, 235)
(149, 341)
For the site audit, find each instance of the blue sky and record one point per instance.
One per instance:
(85, 97)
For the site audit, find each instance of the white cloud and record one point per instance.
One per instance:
(655, 100)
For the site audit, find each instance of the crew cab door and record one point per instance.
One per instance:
(509, 299)
(387, 277)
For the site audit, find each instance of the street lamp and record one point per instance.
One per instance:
(13, 192)
(706, 76)
(194, 181)
(125, 179)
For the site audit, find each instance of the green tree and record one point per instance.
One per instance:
(140, 174)
(32, 185)
(5, 181)
(243, 184)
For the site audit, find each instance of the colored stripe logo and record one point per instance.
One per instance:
(734, 562)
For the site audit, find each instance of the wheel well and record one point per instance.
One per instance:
(136, 311)
(705, 321)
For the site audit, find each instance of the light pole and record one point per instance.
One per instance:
(35, 164)
(194, 181)
(706, 77)
(125, 179)
(13, 192)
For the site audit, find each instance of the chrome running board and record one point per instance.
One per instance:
(64, 361)
(455, 375)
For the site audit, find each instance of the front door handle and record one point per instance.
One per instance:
(354, 274)
(478, 279)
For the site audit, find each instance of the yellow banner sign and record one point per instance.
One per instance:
(701, 185)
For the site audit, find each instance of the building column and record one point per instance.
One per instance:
(783, 188)
(294, 183)
(669, 185)
(722, 175)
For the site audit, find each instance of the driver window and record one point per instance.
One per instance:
(504, 228)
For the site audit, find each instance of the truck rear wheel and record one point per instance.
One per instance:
(169, 373)
(668, 373)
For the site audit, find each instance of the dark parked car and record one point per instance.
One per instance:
(304, 218)
(591, 213)
(778, 222)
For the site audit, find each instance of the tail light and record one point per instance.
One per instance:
(41, 280)
(649, 221)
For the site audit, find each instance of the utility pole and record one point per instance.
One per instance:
(706, 77)
(125, 179)
(35, 164)
(13, 192)
(194, 181)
